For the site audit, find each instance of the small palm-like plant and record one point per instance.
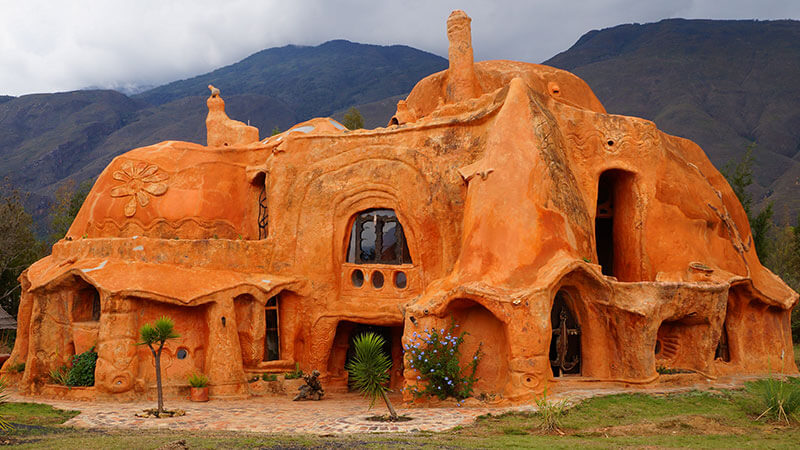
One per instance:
(158, 333)
(369, 369)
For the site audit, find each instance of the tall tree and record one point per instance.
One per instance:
(19, 247)
(740, 177)
(352, 119)
(157, 334)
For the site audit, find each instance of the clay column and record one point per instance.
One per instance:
(117, 352)
(224, 355)
(462, 83)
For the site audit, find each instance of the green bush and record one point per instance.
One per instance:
(18, 367)
(297, 373)
(198, 380)
(269, 377)
(82, 371)
(434, 354)
(778, 400)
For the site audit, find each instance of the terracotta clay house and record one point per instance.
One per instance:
(572, 243)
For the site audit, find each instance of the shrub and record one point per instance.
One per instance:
(5, 426)
(60, 375)
(296, 373)
(369, 369)
(198, 380)
(550, 413)
(269, 377)
(18, 367)
(82, 371)
(434, 354)
(778, 400)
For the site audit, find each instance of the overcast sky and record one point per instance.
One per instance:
(49, 46)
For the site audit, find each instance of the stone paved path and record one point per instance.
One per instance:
(336, 414)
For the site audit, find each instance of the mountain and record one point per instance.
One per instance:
(720, 83)
(315, 81)
(46, 139)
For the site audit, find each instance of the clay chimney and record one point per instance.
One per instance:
(462, 82)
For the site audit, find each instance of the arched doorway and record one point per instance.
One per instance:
(565, 343)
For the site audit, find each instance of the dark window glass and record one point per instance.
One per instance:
(377, 280)
(377, 238)
(96, 306)
(271, 337)
(367, 235)
(400, 280)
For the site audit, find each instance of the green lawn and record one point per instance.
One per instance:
(695, 419)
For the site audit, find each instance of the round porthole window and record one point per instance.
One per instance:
(182, 353)
(400, 280)
(377, 279)
(357, 277)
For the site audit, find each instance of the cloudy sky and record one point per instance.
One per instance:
(49, 46)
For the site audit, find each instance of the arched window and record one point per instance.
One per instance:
(377, 238)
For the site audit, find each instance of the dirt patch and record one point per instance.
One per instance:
(674, 425)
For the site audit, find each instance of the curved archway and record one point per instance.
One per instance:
(565, 343)
(487, 332)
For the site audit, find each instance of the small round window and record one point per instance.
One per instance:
(400, 280)
(357, 277)
(182, 353)
(377, 279)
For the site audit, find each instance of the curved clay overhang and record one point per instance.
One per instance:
(164, 283)
(173, 190)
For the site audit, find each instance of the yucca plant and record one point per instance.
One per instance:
(369, 370)
(779, 399)
(158, 333)
(550, 413)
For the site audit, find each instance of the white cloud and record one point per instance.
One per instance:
(56, 46)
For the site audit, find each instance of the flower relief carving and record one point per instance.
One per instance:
(139, 181)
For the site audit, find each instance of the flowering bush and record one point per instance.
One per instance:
(434, 354)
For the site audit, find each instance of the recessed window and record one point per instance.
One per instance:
(181, 353)
(377, 238)
(357, 277)
(400, 280)
(271, 337)
(377, 279)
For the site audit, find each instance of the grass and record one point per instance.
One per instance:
(695, 419)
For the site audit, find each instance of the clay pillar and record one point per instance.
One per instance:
(462, 83)
(224, 355)
(117, 352)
